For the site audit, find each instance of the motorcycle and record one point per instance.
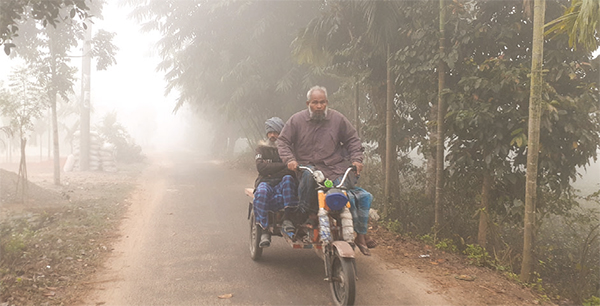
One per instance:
(331, 235)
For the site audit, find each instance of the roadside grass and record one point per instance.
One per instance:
(47, 254)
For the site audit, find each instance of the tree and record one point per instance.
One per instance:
(12, 13)
(487, 93)
(581, 21)
(441, 114)
(48, 48)
(359, 38)
(23, 102)
(116, 134)
(533, 138)
(230, 61)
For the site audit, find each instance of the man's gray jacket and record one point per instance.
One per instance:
(330, 145)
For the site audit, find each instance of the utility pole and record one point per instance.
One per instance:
(84, 130)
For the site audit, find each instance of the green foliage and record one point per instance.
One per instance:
(580, 21)
(48, 13)
(230, 60)
(477, 255)
(23, 101)
(254, 73)
(515, 278)
(446, 244)
(115, 133)
(592, 301)
(14, 246)
(393, 226)
(103, 50)
(537, 283)
(14, 242)
(427, 239)
(570, 250)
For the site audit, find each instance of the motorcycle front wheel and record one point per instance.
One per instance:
(255, 232)
(343, 280)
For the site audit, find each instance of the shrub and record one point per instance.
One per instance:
(112, 131)
(477, 255)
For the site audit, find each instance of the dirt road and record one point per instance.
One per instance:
(185, 242)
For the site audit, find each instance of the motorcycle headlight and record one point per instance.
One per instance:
(336, 199)
(319, 177)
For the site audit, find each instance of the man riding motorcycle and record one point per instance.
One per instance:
(325, 139)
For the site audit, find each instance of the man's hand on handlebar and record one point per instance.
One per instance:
(358, 166)
(293, 165)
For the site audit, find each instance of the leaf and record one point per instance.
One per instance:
(517, 131)
(226, 296)
(465, 277)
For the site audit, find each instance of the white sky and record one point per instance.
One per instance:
(132, 88)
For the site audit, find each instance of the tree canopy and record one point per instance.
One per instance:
(12, 12)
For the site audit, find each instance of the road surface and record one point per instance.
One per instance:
(185, 242)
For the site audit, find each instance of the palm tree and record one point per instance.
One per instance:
(581, 21)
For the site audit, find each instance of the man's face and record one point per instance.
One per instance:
(317, 104)
(272, 136)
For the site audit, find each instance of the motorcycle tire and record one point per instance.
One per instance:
(343, 280)
(255, 233)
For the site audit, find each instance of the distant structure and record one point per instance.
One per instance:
(102, 155)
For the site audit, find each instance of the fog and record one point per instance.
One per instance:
(132, 88)
(135, 91)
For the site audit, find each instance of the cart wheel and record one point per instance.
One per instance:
(255, 232)
(343, 284)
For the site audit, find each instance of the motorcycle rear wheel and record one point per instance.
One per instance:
(255, 233)
(343, 284)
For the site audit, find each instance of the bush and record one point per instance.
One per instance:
(571, 254)
(477, 255)
(592, 301)
(111, 131)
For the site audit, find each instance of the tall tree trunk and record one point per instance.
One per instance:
(377, 95)
(486, 186)
(356, 102)
(439, 177)
(49, 134)
(54, 115)
(84, 123)
(41, 138)
(22, 176)
(389, 149)
(10, 148)
(430, 157)
(55, 139)
(533, 140)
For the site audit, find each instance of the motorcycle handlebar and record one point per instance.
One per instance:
(351, 168)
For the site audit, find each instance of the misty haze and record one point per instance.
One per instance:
(262, 152)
